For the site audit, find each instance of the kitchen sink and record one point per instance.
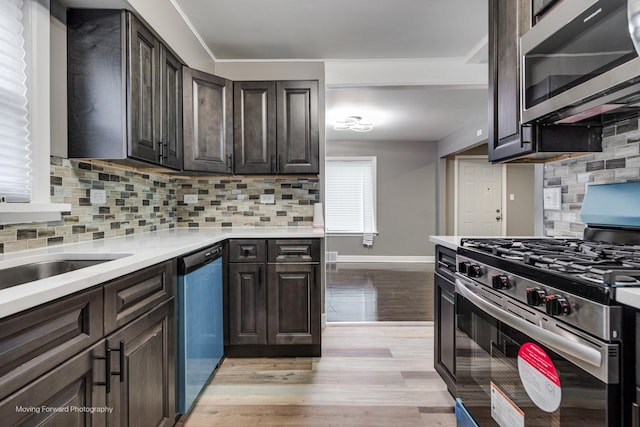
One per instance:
(51, 266)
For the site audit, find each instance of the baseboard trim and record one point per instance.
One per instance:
(384, 258)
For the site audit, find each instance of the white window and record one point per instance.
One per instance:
(350, 195)
(15, 161)
(25, 113)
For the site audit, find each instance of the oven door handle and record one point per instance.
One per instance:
(555, 342)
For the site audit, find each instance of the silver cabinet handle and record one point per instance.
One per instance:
(555, 342)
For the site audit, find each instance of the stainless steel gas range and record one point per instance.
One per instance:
(539, 338)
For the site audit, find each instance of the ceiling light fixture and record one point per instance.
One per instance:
(354, 123)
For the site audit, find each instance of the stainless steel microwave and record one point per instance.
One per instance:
(579, 63)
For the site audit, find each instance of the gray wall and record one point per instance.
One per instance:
(406, 195)
(469, 136)
(520, 210)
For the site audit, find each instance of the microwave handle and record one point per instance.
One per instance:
(551, 340)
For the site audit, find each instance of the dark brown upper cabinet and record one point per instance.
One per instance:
(276, 127)
(124, 90)
(508, 20)
(208, 122)
(171, 132)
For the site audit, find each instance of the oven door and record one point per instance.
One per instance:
(507, 377)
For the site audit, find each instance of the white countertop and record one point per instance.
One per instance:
(628, 296)
(451, 242)
(145, 250)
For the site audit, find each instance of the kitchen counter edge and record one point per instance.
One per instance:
(143, 250)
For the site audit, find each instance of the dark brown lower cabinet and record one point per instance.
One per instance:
(143, 370)
(445, 317)
(446, 329)
(274, 307)
(61, 397)
(57, 368)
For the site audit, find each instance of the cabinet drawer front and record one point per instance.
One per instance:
(130, 296)
(33, 342)
(247, 251)
(294, 250)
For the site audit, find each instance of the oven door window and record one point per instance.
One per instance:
(487, 359)
(595, 42)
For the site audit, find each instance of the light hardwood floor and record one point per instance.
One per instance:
(370, 374)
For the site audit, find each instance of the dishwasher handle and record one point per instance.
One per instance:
(195, 260)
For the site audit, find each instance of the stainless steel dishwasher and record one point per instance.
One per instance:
(200, 317)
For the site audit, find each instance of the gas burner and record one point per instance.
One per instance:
(592, 277)
(621, 280)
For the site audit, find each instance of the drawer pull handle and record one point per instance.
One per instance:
(107, 365)
(107, 368)
(120, 350)
(294, 250)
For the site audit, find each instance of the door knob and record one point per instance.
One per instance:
(498, 218)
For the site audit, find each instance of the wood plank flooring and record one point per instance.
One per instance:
(370, 374)
(379, 291)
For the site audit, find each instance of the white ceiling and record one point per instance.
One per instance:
(406, 113)
(338, 29)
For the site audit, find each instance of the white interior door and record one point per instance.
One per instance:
(479, 198)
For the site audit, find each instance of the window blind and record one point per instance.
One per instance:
(350, 195)
(15, 148)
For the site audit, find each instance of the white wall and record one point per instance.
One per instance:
(168, 23)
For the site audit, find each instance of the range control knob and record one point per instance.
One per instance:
(500, 281)
(474, 270)
(463, 267)
(536, 296)
(557, 305)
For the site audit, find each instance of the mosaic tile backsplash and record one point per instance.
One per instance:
(618, 162)
(139, 202)
(227, 202)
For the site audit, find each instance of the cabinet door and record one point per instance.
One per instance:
(297, 127)
(170, 109)
(508, 20)
(208, 131)
(247, 304)
(71, 387)
(445, 330)
(143, 394)
(294, 301)
(144, 51)
(254, 130)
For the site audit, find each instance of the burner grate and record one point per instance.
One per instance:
(603, 263)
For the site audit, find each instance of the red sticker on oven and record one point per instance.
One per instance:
(539, 377)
